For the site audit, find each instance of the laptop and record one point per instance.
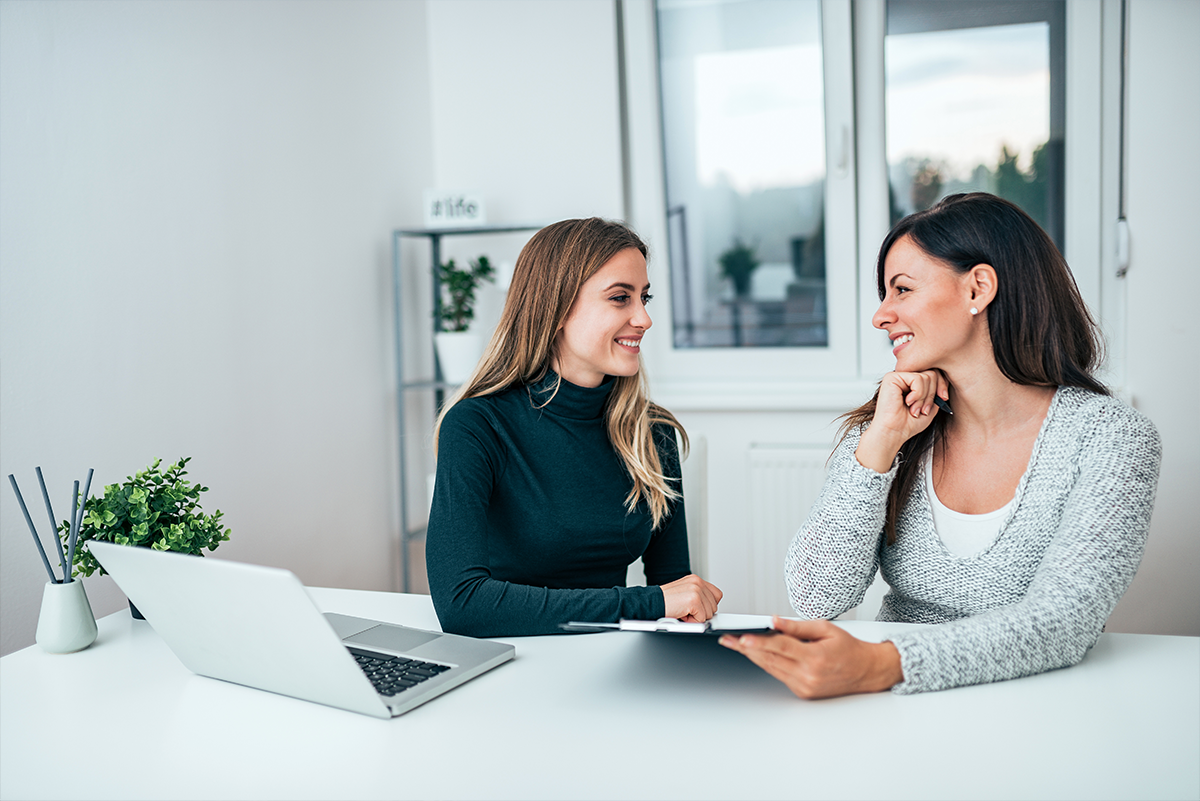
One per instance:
(257, 626)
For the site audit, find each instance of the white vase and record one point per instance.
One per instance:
(458, 352)
(66, 622)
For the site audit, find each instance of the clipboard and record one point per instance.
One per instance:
(721, 623)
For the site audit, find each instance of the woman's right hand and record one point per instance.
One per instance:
(691, 599)
(903, 409)
(817, 659)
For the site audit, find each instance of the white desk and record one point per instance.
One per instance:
(604, 716)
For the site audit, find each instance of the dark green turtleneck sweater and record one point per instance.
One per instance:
(529, 527)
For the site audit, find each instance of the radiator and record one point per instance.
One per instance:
(784, 484)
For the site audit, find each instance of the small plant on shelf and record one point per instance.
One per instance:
(458, 291)
(155, 509)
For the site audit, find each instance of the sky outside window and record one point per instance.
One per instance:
(759, 125)
(957, 97)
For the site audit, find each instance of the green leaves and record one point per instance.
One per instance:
(153, 508)
(458, 291)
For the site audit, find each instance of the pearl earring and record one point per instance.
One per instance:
(974, 310)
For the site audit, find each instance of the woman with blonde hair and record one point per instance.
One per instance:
(554, 470)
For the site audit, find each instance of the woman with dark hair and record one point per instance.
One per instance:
(1002, 492)
(555, 472)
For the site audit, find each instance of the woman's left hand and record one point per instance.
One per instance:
(690, 599)
(817, 659)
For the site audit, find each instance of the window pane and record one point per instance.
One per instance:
(975, 103)
(743, 127)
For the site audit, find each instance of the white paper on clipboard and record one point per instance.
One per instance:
(721, 623)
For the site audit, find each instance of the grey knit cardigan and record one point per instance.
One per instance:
(1035, 599)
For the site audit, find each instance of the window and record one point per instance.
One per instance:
(743, 116)
(790, 134)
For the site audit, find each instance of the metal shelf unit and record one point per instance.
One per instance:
(437, 385)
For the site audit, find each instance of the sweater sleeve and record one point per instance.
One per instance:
(1087, 567)
(666, 558)
(833, 558)
(467, 598)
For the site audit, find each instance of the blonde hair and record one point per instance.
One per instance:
(550, 271)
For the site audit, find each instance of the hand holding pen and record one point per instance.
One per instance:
(905, 406)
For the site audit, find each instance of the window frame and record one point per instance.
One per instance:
(844, 373)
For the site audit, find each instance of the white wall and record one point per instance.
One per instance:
(1163, 369)
(195, 201)
(525, 105)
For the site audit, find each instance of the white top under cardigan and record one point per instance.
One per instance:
(1037, 598)
(964, 535)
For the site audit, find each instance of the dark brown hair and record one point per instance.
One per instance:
(1041, 331)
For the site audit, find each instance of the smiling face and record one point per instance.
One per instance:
(926, 309)
(602, 334)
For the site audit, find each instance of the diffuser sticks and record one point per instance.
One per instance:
(67, 559)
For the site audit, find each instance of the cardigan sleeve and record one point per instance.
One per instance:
(833, 558)
(467, 598)
(1089, 563)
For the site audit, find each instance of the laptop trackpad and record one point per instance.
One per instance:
(392, 638)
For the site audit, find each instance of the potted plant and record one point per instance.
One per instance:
(153, 509)
(458, 350)
(738, 264)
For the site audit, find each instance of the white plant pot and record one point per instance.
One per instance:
(458, 352)
(65, 623)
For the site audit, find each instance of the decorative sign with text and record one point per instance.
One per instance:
(453, 209)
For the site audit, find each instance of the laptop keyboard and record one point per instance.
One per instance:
(392, 675)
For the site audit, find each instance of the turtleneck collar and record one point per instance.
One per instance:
(571, 400)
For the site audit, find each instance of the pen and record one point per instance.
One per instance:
(943, 405)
